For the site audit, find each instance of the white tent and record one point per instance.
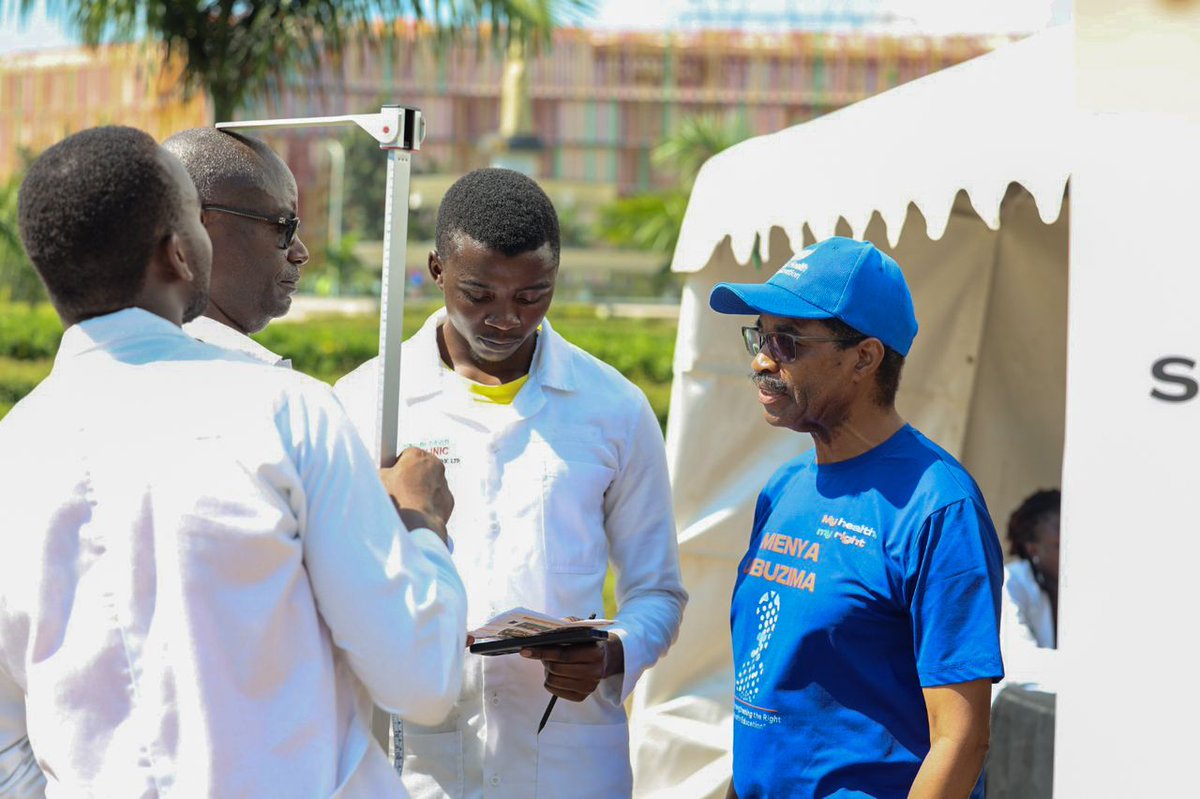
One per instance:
(962, 176)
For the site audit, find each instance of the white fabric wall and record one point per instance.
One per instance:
(985, 379)
(1129, 638)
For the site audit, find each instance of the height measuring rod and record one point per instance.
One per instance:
(399, 131)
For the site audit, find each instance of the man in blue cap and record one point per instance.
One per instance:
(865, 614)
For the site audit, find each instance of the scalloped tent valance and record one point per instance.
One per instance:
(977, 127)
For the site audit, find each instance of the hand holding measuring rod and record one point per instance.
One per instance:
(399, 131)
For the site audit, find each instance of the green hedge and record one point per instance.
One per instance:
(29, 332)
(329, 347)
(325, 347)
(18, 378)
(639, 349)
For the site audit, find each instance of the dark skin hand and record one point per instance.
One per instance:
(574, 672)
(417, 485)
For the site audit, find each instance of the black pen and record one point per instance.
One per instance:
(553, 699)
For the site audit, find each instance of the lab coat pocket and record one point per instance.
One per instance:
(584, 761)
(573, 516)
(433, 765)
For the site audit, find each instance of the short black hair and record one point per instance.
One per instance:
(92, 208)
(218, 159)
(887, 376)
(1025, 519)
(501, 209)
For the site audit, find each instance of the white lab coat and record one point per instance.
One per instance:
(210, 331)
(203, 585)
(548, 491)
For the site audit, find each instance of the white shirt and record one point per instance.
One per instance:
(210, 331)
(548, 490)
(1027, 639)
(1027, 609)
(203, 584)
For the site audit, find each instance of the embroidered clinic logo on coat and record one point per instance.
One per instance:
(442, 447)
(749, 676)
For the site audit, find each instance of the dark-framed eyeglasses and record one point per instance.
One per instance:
(783, 347)
(288, 225)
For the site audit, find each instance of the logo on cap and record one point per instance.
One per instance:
(795, 267)
(793, 270)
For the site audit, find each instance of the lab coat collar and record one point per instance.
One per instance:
(425, 376)
(105, 332)
(210, 331)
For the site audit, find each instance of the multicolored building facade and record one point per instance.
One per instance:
(603, 101)
(46, 96)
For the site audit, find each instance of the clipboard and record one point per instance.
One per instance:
(507, 646)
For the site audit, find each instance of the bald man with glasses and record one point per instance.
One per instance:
(248, 200)
(866, 610)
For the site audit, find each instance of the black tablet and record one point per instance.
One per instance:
(506, 646)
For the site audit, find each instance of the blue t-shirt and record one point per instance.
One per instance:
(865, 581)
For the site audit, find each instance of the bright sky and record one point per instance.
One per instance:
(35, 33)
(930, 16)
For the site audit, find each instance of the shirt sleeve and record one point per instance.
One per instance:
(640, 524)
(392, 600)
(955, 574)
(20, 776)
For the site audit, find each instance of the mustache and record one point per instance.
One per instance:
(769, 383)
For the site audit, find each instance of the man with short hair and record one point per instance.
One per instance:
(865, 613)
(559, 466)
(249, 201)
(203, 584)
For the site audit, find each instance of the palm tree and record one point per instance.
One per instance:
(235, 49)
(652, 221)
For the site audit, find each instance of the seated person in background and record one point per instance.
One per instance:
(1031, 582)
(1029, 603)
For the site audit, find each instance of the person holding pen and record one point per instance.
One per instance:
(558, 466)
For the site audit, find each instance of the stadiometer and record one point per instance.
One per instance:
(399, 131)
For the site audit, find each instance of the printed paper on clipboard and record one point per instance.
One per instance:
(524, 623)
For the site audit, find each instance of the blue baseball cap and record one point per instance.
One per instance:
(837, 278)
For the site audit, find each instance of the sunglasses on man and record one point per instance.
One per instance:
(783, 347)
(288, 225)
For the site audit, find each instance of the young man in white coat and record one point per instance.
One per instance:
(203, 583)
(557, 462)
